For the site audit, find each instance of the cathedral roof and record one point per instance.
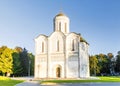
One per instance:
(41, 35)
(83, 40)
(60, 14)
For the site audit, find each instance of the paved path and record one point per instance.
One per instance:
(29, 83)
(86, 84)
(35, 83)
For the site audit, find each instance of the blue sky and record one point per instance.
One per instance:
(97, 20)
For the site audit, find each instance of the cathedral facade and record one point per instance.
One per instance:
(63, 54)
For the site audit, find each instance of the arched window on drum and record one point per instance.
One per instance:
(58, 46)
(59, 26)
(73, 45)
(65, 27)
(43, 46)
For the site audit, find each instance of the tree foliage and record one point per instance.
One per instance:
(94, 68)
(31, 60)
(117, 68)
(17, 68)
(16, 61)
(110, 55)
(103, 64)
(6, 61)
(24, 61)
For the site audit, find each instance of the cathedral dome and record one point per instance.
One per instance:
(60, 15)
(61, 23)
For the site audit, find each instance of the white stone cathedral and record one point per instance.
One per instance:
(63, 54)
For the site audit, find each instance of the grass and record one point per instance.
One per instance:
(5, 81)
(101, 79)
(110, 79)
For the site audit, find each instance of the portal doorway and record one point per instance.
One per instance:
(58, 72)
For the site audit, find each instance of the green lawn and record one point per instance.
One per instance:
(101, 79)
(4, 81)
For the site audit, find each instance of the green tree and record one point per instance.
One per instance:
(103, 64)
(18, 49)
(111, 63)
(16, 61)
(117, 68)
(94, 68)
(110, 55)
(31, 63)
(24, 62)
(6, 61)
(17, 68)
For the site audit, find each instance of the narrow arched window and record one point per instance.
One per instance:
(65, 27)
(73, 45)
(59, 26)
(42, 46)
(58, 46)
